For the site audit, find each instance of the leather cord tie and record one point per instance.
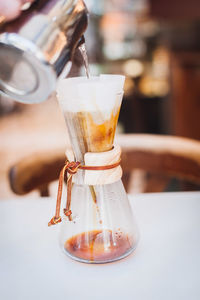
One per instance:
(71, 168)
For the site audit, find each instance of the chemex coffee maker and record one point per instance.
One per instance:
(35, 50)
(98, 224)
(38, 47)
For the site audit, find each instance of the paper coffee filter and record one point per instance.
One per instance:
(93, 94)
(67, 88)
(118, 80)
(97, 96)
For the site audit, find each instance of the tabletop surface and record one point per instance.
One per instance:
(165, 265)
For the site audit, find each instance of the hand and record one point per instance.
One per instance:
(11, 9)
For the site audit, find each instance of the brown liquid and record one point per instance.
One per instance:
(98, 245)
(88, 135)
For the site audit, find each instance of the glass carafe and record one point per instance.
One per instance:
(101, 228)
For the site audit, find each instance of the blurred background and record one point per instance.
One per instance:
(156, 45)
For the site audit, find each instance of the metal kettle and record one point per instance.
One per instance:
(37, 48)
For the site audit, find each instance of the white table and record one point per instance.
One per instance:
(165, 265)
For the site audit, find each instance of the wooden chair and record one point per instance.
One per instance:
(162, 157)
(167, 156)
